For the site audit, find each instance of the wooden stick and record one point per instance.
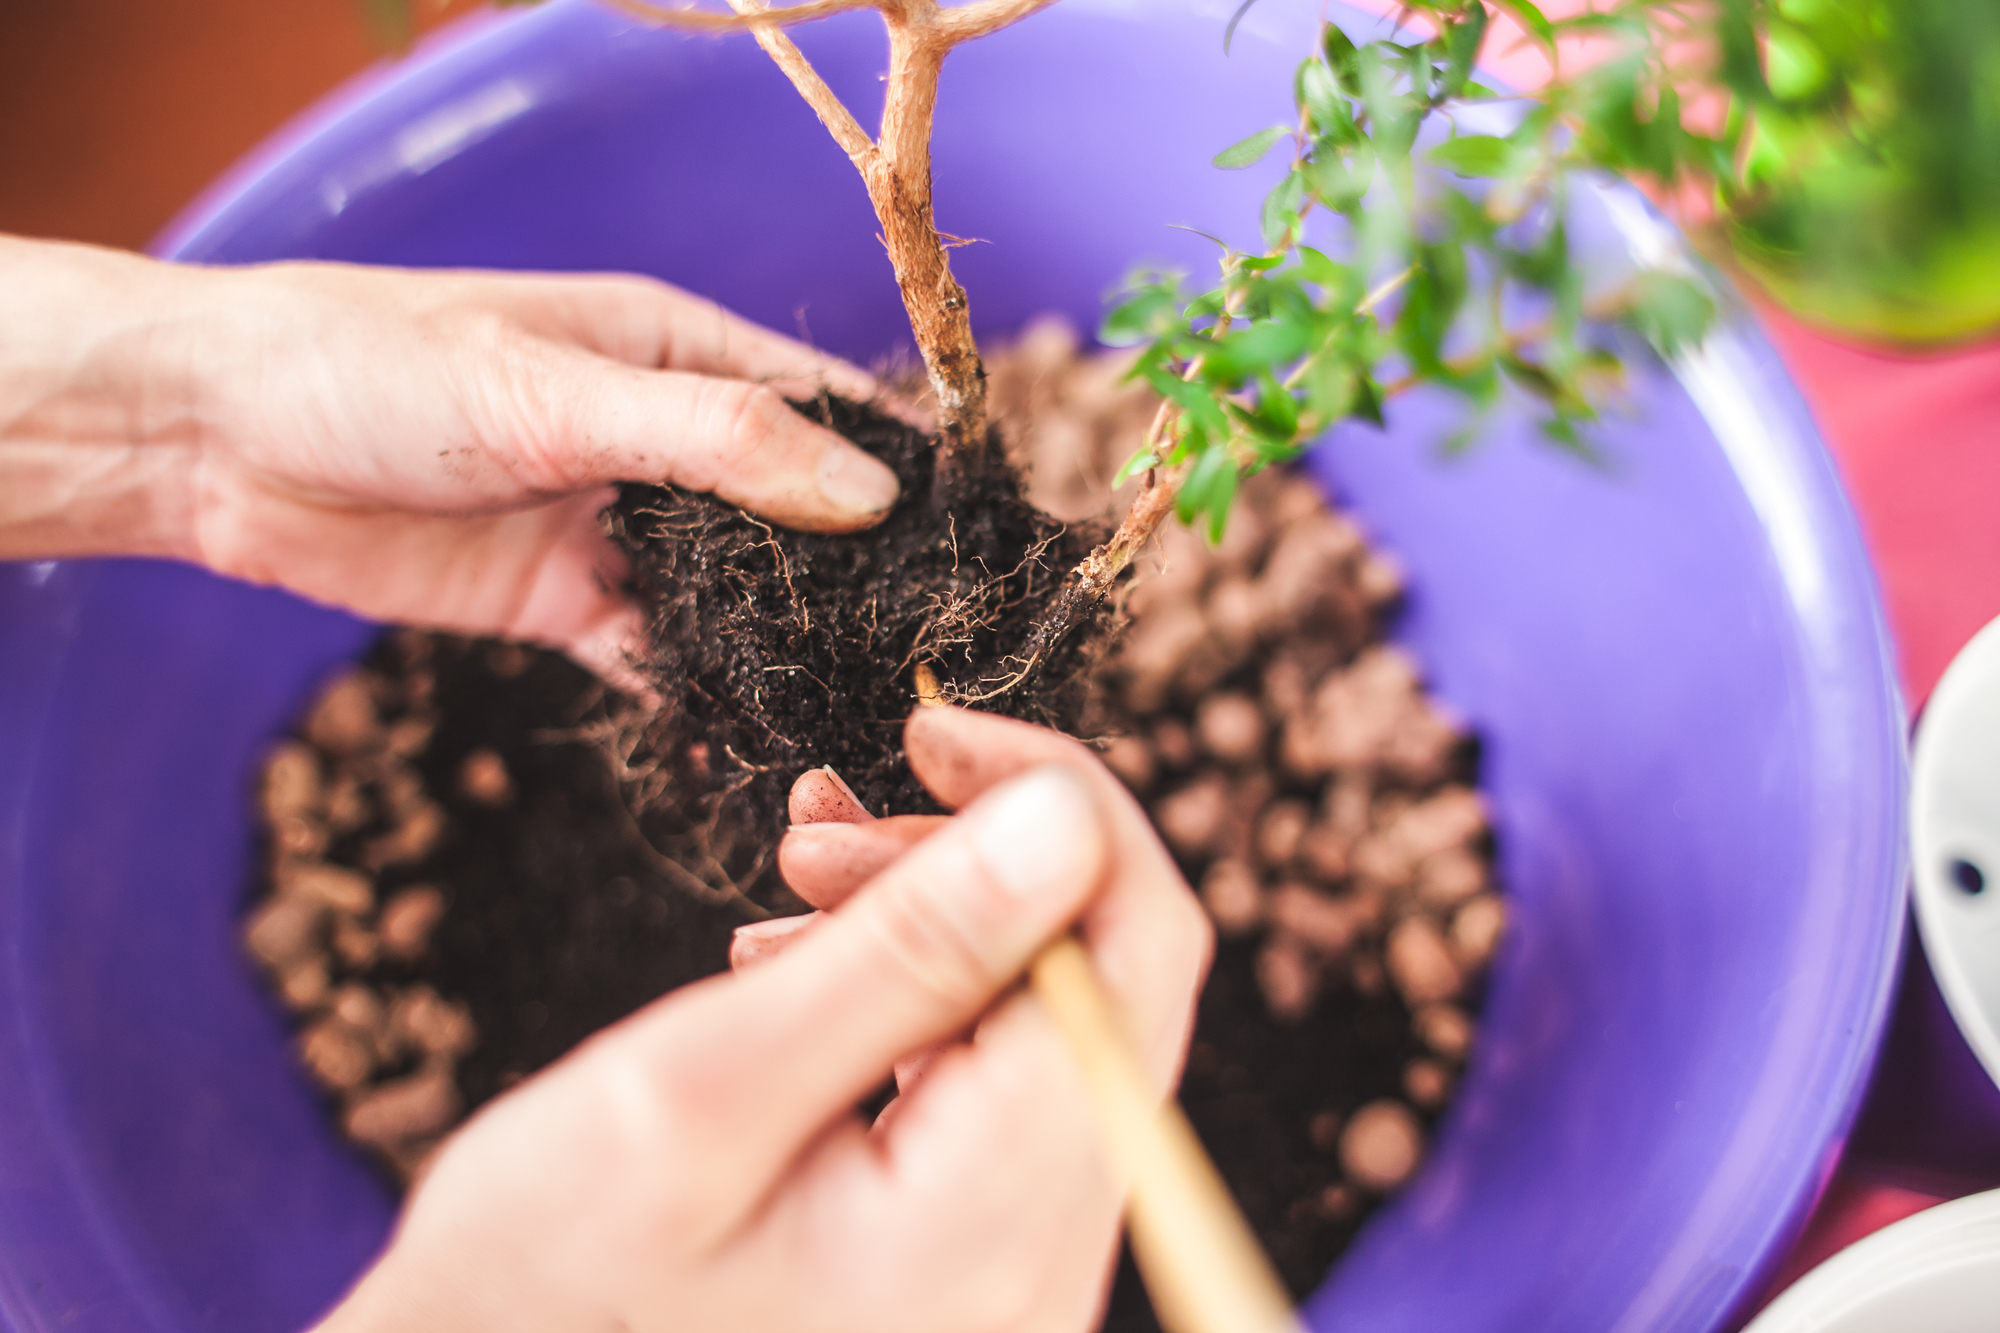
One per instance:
(1203, 1267)
(1202, 1264)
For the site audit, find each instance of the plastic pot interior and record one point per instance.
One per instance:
(1676, 663)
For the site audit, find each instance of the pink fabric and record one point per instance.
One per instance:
(1854, 1207)
(1918, 443)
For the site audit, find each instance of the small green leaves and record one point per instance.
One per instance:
(1152, 310)
(1250, 151)
(1473, 290)
(1474, 155)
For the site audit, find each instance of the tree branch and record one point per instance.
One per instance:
(758, 20)
(784, 52)
(965, 22)
(896, 167)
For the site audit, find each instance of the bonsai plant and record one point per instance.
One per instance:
(1290, 341)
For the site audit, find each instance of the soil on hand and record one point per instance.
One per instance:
(477, 857)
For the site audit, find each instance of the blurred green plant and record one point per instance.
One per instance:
(1845, 154)
(1460, 276)
(1856, 170)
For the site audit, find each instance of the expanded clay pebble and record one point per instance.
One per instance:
(483, 778)
(1381, 1145)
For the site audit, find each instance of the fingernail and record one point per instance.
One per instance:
(856, 482)
(1039, 836)
(840, 781)
(774, 928)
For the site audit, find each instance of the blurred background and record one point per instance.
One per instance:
(113, 113)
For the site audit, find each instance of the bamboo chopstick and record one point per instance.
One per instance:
(1202, 1264)
(1203, 1267)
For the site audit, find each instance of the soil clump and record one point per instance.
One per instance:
(775, 651)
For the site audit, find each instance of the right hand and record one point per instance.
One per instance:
(700, 1166)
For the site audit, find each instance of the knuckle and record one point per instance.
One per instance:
(928, 944)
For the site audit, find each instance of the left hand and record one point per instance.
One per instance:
(427, 447)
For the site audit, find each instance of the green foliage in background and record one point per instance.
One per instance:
(1460, 276)
(1844, 153)
(1859, 178)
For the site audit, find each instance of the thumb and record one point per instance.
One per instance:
(760, 1065)
(741, 441)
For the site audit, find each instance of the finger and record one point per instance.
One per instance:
(563, 419)
(1149, 939)
(756, 1065)
(612, 647)
(822, 796)
(761, 941)
(825, 863)
(994, 1160)
(657, 326)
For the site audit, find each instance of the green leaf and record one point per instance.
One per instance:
(1367, 404)
(1462, 42)
(1532, 21)
(1531, 377)
(1149, 313)
(1320, 270)
(1243, 353)
(1319, 93)
(1474, 155)
(1281, 208)
(1194, 398)
(1561, 431)
(1794, 66)
(1208, 488)
(1277, 413)
(1670, 311)
(1250, 151)
(1340, 182)
(1341, 58)
(1143, 461)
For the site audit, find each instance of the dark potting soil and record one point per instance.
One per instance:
(521, 869)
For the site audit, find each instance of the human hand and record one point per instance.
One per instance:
(428, 447)
(700, 1166)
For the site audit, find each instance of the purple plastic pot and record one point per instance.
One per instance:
(1692, 741)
